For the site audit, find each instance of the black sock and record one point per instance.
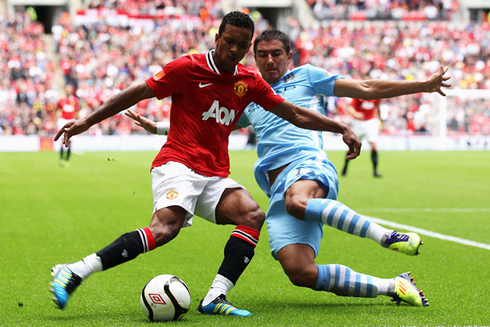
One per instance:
(374, 159)
(127, 247)
(344, 171)
(239, 251)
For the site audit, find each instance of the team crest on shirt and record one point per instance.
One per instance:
(159, 75)
(240, 88)
(172, 194)
(289, 78)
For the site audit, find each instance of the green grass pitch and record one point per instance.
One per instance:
(52, 215)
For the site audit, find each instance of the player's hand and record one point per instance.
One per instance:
(353, 142)
(438, 80)
(357, 115)
(70, 129)
(141, 121)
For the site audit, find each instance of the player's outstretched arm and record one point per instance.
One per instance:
(114, 105)
(379, 89)
(311, 119)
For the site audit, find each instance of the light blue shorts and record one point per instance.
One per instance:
(285, 229)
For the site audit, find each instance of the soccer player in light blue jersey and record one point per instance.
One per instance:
(294, 171)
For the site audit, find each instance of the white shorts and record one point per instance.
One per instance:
(366, 129)
(60, 123)
(174, 184)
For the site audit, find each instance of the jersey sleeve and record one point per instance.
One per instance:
(322, 81)
(265, 96)
(171, 79)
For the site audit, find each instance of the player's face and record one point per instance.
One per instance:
(231, 47)
(272, 60)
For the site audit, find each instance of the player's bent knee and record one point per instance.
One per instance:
(301, 280)
(164, 233)
(166, 224)
(296, 208)
(255, 219)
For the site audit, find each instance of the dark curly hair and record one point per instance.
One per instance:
(269, 35)
(237, 19)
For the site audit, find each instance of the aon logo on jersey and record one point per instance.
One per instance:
(222, 114)
(68, 108)
(367, 105)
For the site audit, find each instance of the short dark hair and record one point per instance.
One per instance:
(237, 19)
(269, 35)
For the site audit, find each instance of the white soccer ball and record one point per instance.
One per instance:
(165, 297)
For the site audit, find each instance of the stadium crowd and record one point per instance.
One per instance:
(404, 50)
(384, 9)
(204, 9)
(110, 44)
(27, 89)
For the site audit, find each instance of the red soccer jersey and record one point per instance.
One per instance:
(367, 108)
(206, 104)
(68, 106)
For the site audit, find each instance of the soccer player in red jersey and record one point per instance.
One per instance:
(190, 173)
(66, 110)
(365, 123)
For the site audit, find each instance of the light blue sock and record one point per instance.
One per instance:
(343, 281)
(338, 215)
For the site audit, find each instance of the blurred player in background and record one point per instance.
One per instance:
(190, 173)
(66, 110)
(294, 171)
(366, 123)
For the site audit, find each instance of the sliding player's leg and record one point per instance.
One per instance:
(311, 189)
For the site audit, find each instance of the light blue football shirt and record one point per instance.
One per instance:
(278, 141)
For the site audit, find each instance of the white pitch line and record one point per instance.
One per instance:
(430, 233)
(467, 210)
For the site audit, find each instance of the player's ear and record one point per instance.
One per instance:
(216, 38)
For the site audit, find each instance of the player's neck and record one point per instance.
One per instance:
(221, 67)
